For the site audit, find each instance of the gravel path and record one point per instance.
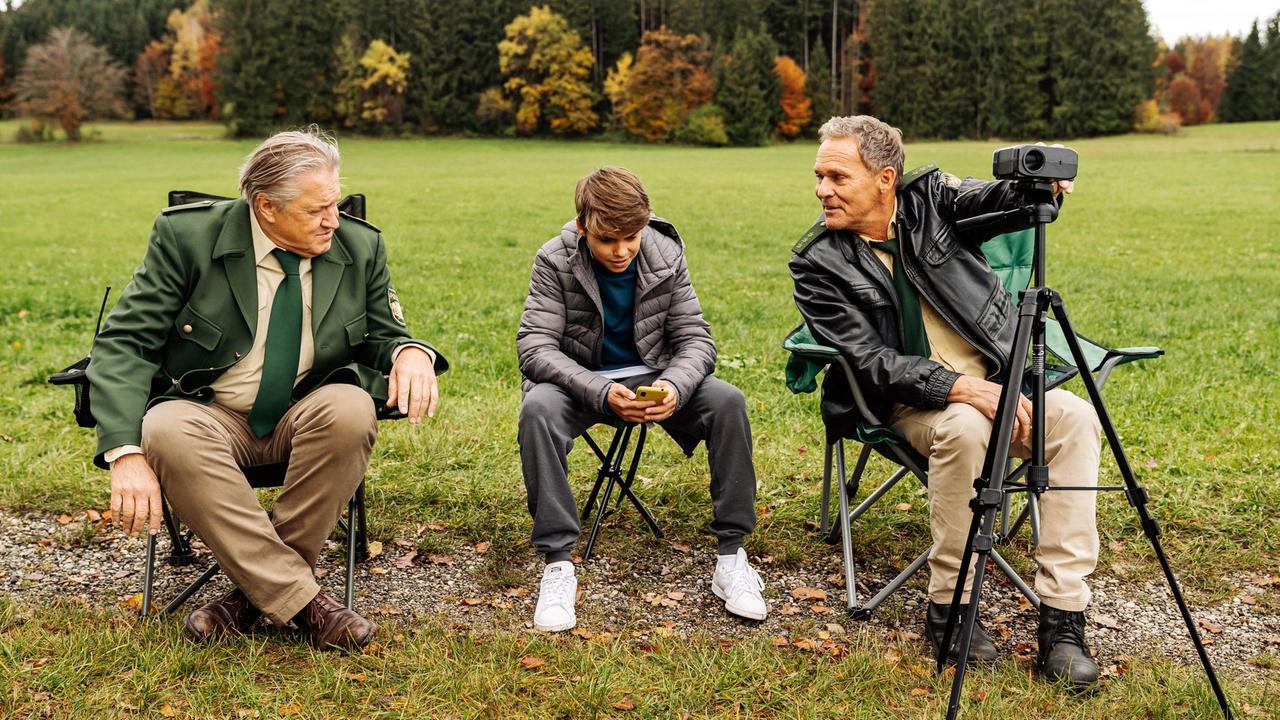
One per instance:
(662, 592)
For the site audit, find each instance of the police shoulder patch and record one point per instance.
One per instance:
(809, 237)
(916, 173)
(365, 223)
(393, 300)
(201, 205)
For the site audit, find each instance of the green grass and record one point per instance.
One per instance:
(125, 669)
(1167, 241)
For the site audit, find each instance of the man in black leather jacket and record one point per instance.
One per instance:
(886, 278)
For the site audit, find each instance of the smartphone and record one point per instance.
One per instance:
(646, 392)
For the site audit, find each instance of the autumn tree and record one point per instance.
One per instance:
(796, 108)
(67, 79)
(151, 78)
(749, 91)
(615, 89)
(667, 81)
(546, 64)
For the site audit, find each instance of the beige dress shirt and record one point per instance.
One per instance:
(946, 346)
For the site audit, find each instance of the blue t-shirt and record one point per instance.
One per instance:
(618, 297)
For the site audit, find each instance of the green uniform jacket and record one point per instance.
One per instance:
(191, 312)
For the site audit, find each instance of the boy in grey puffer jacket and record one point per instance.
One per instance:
(611, 308)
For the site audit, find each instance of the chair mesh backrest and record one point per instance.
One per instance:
(1010, 256)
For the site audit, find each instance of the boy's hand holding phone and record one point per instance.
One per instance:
(651, 405)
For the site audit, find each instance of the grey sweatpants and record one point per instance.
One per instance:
(717, 414)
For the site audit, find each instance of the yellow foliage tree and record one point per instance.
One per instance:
(546, 64)
(615, 86)
(668, 80)
(797, 109)
(386, 78)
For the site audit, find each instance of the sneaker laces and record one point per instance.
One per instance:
(555, 588)
(744, 578)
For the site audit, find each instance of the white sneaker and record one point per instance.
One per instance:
(556, 596)
(739, 585)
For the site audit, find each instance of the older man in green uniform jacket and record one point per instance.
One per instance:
(257, 331)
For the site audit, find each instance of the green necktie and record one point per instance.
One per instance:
(914, 338)
(284, 343)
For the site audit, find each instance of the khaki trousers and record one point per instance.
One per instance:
(197, 451)
(954, 440)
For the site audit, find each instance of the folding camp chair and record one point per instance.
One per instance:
(610, 474)
(1010, 256)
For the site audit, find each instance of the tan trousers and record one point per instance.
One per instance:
(197, 452)
(955, 442)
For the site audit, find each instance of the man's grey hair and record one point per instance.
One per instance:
(275, 166)
(879, 144)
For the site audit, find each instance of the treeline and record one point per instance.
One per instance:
(698, 71)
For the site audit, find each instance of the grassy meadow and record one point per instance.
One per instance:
(1168, 241)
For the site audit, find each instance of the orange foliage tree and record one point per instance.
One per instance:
(173, 76)
(1194, 77)
(668, 79)
(797, 110)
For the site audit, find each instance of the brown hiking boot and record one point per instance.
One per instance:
(231, 613)
(333, 626)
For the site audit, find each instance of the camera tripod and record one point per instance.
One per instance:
(1033, 308)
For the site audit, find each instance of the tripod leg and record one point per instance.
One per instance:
(1137, 496)
(994, 468)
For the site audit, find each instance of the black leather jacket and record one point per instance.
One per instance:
(846, 295)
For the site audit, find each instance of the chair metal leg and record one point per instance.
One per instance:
(846, 534)
(595, 527)
(148, 573)
(179, 549)
(362, 526)
(824, 516)
(351, 553)
(879, 492)
(602, 472)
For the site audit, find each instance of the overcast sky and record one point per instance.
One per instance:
(1173, 19)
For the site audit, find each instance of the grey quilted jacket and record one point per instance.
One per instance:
(560, 335)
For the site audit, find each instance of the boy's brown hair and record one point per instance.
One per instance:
(612, 203)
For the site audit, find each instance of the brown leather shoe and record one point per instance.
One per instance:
(231, 613)
(333, 626)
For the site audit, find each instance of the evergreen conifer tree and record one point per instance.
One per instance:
(817, 84)
(749, 91)
(1247, 85)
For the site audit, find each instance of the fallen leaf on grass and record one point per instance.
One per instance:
(583, 633)
(979, 696)
(1273, 640)
(482, 547)
(676, 595)
(440, 559)
(388, 610)
(434, 527)
(806, 644)
(1249, 600)
(917, 692)
(532, 662)
(406, 560)
(472, 601)
(1264, 580)
(903, 506)
(290, 709)
(516, 592)
(375, 549)
(626, 703)
(1024, 604)
(680, 547)
(354, 677)
(168, 710)
(64, 518)
(808, 593)
(780, 641)
(819, 609)
(247, 713)
(791, 609)
(378, 571)
(92, 515)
